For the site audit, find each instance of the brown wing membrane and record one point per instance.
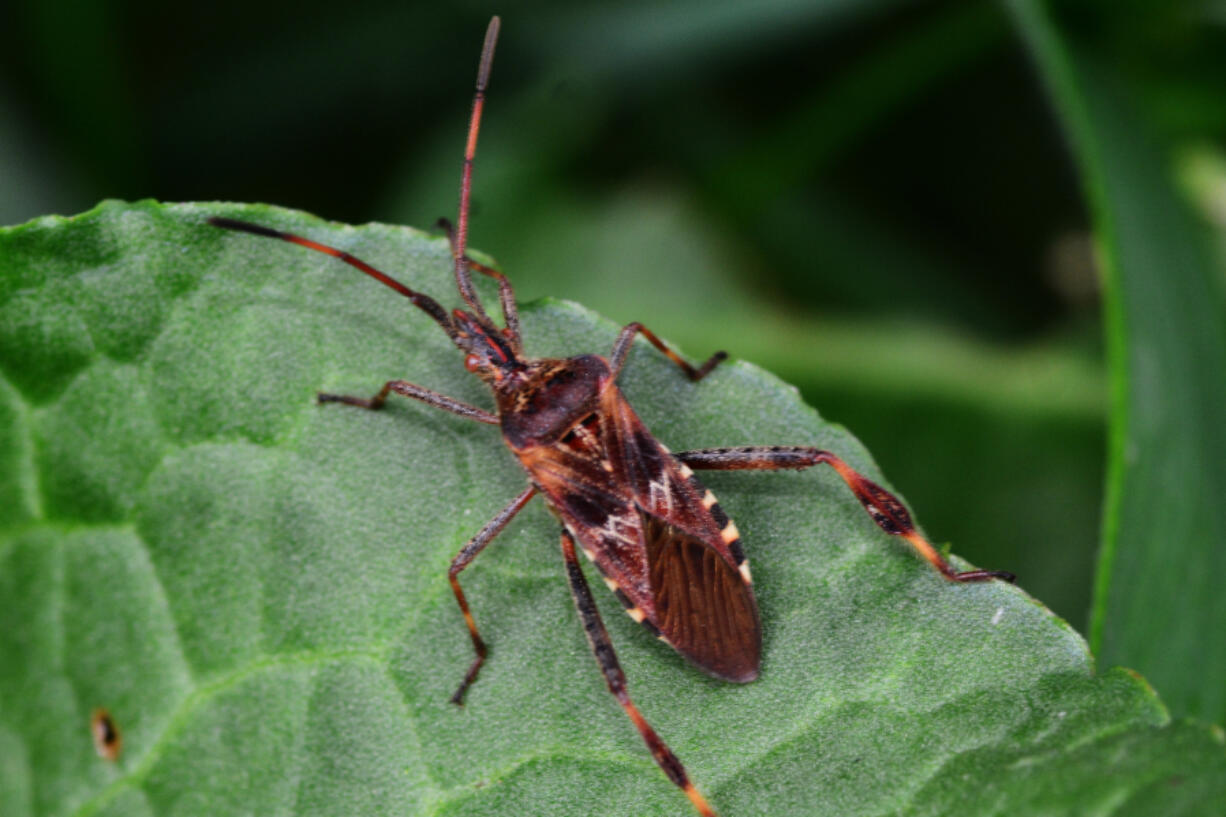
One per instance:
(703, 606)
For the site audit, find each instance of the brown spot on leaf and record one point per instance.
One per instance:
(107, 741)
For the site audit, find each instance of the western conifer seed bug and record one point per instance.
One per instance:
(658, 537)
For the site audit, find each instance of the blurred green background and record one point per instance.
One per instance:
(871, 198)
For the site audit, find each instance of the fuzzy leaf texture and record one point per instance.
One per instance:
(254, 585)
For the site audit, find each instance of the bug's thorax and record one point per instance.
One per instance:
(540, 402)
(539, 399)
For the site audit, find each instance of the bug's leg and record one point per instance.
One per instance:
(461, 560)
(506, 295)
(622, 348)
(885, 508)
(431, 398)
(602, 647)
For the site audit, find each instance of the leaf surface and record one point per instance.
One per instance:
(254, 585)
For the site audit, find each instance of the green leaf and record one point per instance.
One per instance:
(254, 585)
(1158, 601)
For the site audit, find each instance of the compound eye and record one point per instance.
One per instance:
(472, 363)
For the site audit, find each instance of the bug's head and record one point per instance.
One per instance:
(490, 354)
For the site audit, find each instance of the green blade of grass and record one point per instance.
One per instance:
(1158, 605)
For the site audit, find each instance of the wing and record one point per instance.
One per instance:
(701, 592)
(662, 485)
(577, 480)
(704, 607)
(659, 538)
(678, 586)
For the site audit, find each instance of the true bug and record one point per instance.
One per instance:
(659, 538)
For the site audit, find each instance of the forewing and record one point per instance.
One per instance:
(659, 538)
(595, 507)
(701, 596)
(662, 485)
(703, 606)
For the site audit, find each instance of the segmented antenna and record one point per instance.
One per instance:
(462, 276)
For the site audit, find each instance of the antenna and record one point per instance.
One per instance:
(460, 247)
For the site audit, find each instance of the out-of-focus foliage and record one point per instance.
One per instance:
(1158, 593)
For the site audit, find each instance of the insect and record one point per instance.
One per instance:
(657, 536)
(107, 741)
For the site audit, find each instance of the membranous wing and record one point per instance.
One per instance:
(703, 606)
